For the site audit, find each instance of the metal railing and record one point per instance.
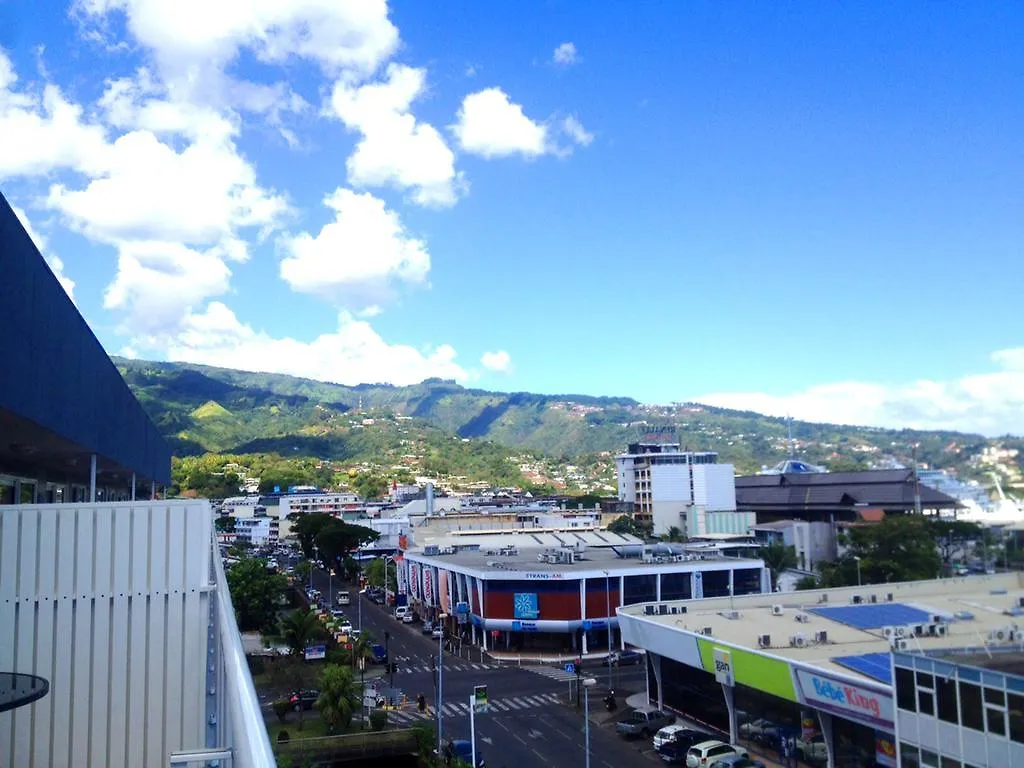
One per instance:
(240, 729)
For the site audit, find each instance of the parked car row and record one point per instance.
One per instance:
(681, 745)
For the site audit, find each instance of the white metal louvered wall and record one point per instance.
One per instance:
(110, 603)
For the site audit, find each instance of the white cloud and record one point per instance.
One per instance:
(565, 55)
(190, 36)
(357, 258)
(54, 262)
(500, 361)
(990, 403)
(352, 354)
(490, 125)
(395, 149)
(43, 134)
(574, 129)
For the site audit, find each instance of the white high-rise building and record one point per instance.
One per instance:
(671, 488)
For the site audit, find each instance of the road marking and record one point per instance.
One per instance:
(535, 734)
(538, 754)
(487, 740)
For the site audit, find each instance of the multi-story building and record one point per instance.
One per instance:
(257, 531)
(813, 542)
(962, 707)
(318, 503)
(806, 678)
(671, 488)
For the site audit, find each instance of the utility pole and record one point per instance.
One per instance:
(917, 482)
(608, 624)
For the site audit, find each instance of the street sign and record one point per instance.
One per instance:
(570, 668)
(479, 698)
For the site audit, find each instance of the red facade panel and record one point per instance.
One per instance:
(597, 603)
(554, 605)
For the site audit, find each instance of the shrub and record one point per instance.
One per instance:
(281, 708)
(378, 720)
(283, 737)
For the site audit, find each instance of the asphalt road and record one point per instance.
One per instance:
(529, 724)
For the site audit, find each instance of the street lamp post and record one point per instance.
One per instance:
(316, 553)
(330, 588)
(608, 623)
(858, 569)
(440, 668)
(587, 685)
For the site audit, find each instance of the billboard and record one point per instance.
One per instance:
(525, 605)
(414, 580)
(314, 652)
(853, 702)
(444, 588)
(428, 586)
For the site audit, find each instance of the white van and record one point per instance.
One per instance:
(344, 598)
(401, 612)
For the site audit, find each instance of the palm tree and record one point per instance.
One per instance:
(778, 557)
(675, 533)
(298, 629)
(339, 698)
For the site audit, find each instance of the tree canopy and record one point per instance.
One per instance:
(334, 539)
(778, 557)
(255, 592)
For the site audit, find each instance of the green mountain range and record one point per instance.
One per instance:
(204, 409)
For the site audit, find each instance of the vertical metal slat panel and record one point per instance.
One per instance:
(156, 665)
(61, 683)
(138, 648)
(46, 641)
(194, 647)
(9, 522)
(99, 652)
(82, 604)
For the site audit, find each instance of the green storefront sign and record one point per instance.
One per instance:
(750, 669)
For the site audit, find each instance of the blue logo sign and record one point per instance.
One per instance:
(462, 608)
(587, 626)
(525, 605)
(570, 668)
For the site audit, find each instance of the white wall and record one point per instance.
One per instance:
(109, 603)
(666, 514)
(670, 482)
(714, 486)
(626, 479)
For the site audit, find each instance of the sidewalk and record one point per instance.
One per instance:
(515, 657)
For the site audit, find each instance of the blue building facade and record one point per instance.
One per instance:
(69, 424)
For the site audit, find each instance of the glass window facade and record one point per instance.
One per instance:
(693, 692)
(676, 586)
(640, 589)
(716, 583)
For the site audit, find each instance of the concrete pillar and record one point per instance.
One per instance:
(730, 704)
(133, 486)
(92, 478)
(17, 492)
(656, 666)
(657, 586)
(825, 721)
(152, 491)
(583, 640)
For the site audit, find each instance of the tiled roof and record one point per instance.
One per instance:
(886, 489)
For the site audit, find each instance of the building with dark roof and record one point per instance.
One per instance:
(835, 495)
(70, 429)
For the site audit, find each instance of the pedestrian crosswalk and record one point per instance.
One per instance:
(457, 709)
(406, 664)
(552, 672)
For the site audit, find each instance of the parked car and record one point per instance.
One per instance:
(813, 750)
(761, 730)
(402, 611)
(304, 699)
(643, 722)
(346, 627)
(427, 628)
(623, 658)
(461, 749)
(679, 735)
(379, 654)
(437, 633)
(737, 761)
(706, 753)
(409, 618)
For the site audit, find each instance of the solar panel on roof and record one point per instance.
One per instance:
(874, 665)
(874, 616)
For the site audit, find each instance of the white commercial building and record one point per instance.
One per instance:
(318, 503)
(257, 530)
(671, 488)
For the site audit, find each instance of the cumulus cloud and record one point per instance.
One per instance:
(54, 262)
(499, 362)
(565, 55)
(357, 259)
(396, 150)
(990, 403)
(352, 354)
(490, 125)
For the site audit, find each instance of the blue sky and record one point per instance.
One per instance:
(812, 208)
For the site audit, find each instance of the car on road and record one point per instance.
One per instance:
(623, 658)
(304, 699)
(737, 761)
(437, 633)
(678, 735)
(379, 654)
(409, 618)
(346, 628)
(402, 611)
(461, 750)
(706, 753)
(643, 722)
(427, 628)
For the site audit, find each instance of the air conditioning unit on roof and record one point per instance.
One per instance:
(764, 641)
(777, 610)
(798, 640)
(899, 644)
(889, 632)
(821, 637)
(803, 618)
(706, 631)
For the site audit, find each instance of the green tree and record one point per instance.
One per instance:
(300, 628)
(307, 528)
(339, 540)
(225, 524)
(625, 525)
(255, 592)
(339, 697)
(369, 486)
(900, 548)
(375, 573)
(778, 558)
(675, 533)
(954, 537)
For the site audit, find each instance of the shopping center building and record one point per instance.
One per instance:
(807, 677)
(557, 592)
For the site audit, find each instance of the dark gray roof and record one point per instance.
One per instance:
(890, 489)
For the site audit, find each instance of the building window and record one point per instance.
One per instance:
(640, 589)
(995, 711)
(970, 707)
(676, 586)
(910, 756)
(906, 694)
(945, 693)
(1015, 710)
(925, 693)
